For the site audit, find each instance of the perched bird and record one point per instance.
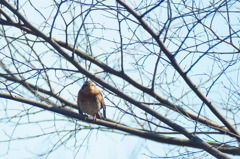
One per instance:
(90, 100)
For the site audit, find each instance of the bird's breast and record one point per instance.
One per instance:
(90, 106)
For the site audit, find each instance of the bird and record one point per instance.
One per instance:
(90, 100)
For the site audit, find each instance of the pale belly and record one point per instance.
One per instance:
(90, 108)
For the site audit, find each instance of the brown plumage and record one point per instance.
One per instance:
(90, 100)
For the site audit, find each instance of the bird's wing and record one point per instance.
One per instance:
(78, 102)
(101, 99)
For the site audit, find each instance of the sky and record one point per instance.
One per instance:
(88, 144)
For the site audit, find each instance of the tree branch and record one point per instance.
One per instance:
(141, 133)
(180, 70)
(124, 76)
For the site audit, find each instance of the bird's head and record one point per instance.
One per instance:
(88, 84)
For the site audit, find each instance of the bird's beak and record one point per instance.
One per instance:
(90, 84)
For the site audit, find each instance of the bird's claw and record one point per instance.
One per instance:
(85, 116)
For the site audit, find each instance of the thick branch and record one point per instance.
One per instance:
(122, 75)
(180, 70)
(141, 133)
(32, 87)
(82, 70)
(157, 115)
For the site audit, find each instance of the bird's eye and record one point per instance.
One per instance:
(91, 84)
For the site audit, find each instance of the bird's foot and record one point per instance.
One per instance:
(85, 116)
(94, 118)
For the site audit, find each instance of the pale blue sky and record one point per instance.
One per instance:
(98, 144)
